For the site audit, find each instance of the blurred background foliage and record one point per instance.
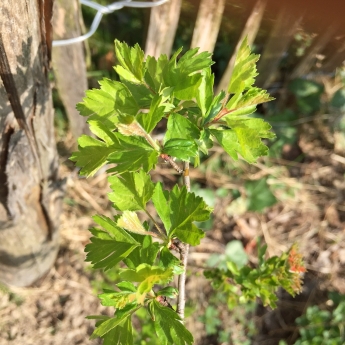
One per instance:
(308, 119)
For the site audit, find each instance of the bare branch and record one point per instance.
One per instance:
(184, 250)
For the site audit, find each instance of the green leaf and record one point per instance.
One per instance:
(147, 276)
(181, 148)
(179, 209)
(244, 73)
(112, 99)
(259, 195)
(303, 88)
(129, 221)
(102, 130)
(192, 62)
(205, 142)
(149, 120)
(185, 76)
(235, 252)
(109, 246)
(168, 291)
(338, 99)
(161, 200)
(132, 154)
(142, 95)
(126, 286)
(169, 328)
(120, 335)
(245, 104)
(92, 155)
(191, 234)
(118, 300)
(167, 260)
(214, 108)
(186, 88)
(146, 253)
(131, 127)
(131, 62)
(204, 96)
(308, 94)
(136, 186)
(187, 208)
(244, 138)
(180, 128)
(211, 319)
(145, 271)
(154, 72)
(119, 320)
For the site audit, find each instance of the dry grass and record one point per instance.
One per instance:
(53, 311)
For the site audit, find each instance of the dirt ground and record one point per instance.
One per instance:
(52, 312)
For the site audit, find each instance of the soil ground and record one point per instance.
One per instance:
(52, 312)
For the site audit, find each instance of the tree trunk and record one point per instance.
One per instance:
(278, 42)
(69, 63)
(250, 31)
(162, 28)
(30, 190)
(207, 24)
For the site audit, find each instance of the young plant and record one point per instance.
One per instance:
(322, 327)
(122, 115)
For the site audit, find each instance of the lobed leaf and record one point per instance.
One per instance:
(147, 276)
(252, 97)
(121, 322)
(181, 148)
(136, 186)
(113, 98)
(169, 328)
(180, 128)
(131, 62)
(92, 155)
(146, 253)
(122, 334)
(244, 73)
(129, 221)
(149, 120)
(118, 300)
(132, 154)
(244, 138)
(109, 246)
(185, 75)
(204, 95)
(154, 72)
(161, 200)
(178, 210)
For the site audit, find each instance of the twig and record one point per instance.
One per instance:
(184, 249)
(170, 160)
(162, 233)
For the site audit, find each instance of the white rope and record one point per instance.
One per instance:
(101, 10)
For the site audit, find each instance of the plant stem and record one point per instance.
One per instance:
(163, 234)
(168, 159)
(186, 178)
(184, 250)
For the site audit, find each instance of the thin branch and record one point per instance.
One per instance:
(156, 225)
(169, 159)
(186, 178)
(184, 250)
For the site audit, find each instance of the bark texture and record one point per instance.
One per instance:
(207, 24)
(162, 28)
(69, 62)
(30, 190)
